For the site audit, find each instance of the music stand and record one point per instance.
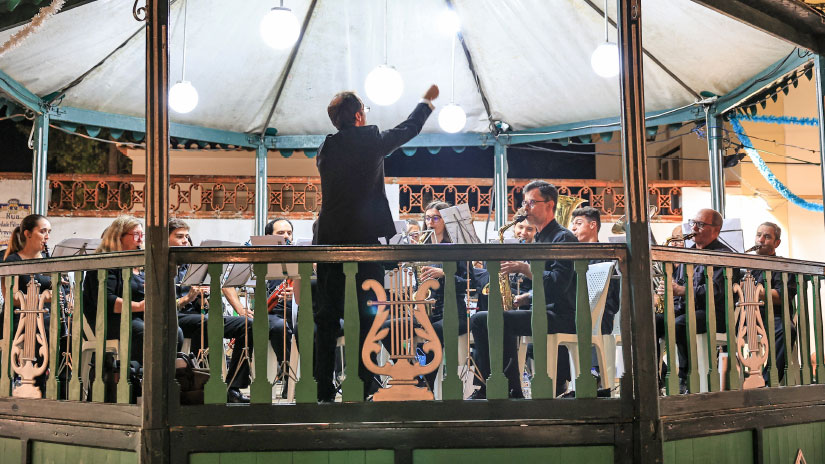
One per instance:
(75, 247)
(197, 275)
(459, 224)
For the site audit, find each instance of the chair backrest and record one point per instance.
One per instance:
(598, 281)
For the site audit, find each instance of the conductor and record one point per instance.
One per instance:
(355, 210)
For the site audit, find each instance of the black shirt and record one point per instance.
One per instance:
(23, 280)
(559, 278)
(114, 290)
(776, 284)
(701, 289)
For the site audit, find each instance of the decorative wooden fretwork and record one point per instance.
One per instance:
(408, 326)
(751, 340)
(29, 340)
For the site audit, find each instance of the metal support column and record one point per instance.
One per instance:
(819, 65)
(40, 183)
(713, 124)
(261, 194)
(500, 182)
(160, 336)
(647, 430)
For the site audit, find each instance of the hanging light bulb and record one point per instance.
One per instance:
(183, 97)
(280, 28)
(384, 85)
(452, 118)
(448, 22)
(605, 59)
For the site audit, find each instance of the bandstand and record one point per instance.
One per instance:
(719, 421)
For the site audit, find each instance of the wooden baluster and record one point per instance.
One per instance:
(8, 331)
(496, 384)
(773, 373)
(75, 389)
(124, 385)
(52, 386)
(215, 388)
(690, 328)
(713, 362)
(585, 382)
(672, 377)
(352, 386)
(820, 353)
(261, 390)
(306, 388)
(804, 328)
(451, 387)
(542, 386)
(792, 369)
(98, 387)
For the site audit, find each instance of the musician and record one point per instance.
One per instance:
(521, 277)
(768, 237)
(413, 230)
(188, 302)
(29, 241)
(559, 280)
(355, 211)
(280, 294)
(706, 224)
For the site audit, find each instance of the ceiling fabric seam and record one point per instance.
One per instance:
(649, 55)
(475, 75)
(288, 67)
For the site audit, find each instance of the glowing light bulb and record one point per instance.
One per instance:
(452, 118)
(384, 85)
(183, 97)
(279, 28)
(605, 59)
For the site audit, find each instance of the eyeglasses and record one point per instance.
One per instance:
(136, 235)
(699, 225)
(532, 203)
(432, 218)
(366, 109)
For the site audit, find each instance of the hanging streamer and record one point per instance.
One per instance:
(781, 120)
(36, 23)
(766, 171)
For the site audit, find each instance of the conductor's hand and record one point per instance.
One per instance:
(432, 93)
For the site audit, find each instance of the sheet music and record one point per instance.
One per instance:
(239, 275)
(459, 223)
(196, 274)
(75, 247)
(275, 270)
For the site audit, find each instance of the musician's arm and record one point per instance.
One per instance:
(234, 300)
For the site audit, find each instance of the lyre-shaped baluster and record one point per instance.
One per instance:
(751, 333)
(403, 309)
(30, 334)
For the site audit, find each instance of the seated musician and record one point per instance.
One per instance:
(190, 308)
(29, 240)
(559, 282)
(280, 295)
(768, 238)
(434, 221)
(413, 230)
(706, 224)
(521, 278)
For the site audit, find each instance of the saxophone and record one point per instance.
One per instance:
(503, 277)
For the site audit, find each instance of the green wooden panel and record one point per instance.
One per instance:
(729, 448)
(803, 327)
(124, 386)
(781, 444)
(48, 453)
(296, 457)
(261, 389)
(547, 455)
(773, 373)
(215, 388)
(11, 450)
(352, 386)
(54, 341)
(710, 304)
(791, 364)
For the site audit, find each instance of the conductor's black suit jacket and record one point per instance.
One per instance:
(355, 209)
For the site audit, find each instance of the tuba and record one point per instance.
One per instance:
(565, 207)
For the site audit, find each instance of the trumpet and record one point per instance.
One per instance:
(659, 272)
(679, 238)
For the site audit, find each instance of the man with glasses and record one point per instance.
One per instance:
(355, 210)
(559, 280)
(706, 224)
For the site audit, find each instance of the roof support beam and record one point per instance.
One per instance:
(769, 17)
(715, 153)
(819, 67)
(500, 183)
(19, 93)
(40, 184)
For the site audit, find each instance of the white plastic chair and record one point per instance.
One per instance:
(87, 349)
(598, 281)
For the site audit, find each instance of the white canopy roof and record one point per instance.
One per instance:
(532, 59)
